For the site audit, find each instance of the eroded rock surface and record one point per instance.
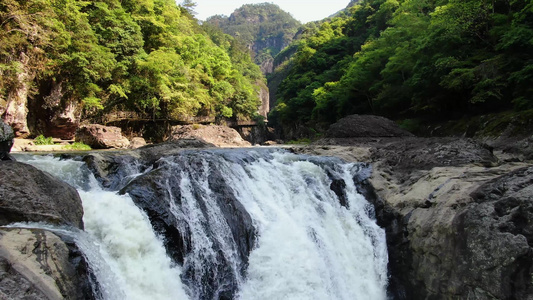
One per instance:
(30, 195)
(6, 140)
(37, 264)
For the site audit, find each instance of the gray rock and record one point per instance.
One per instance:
(30, 195)
(102, 137)
(365, 126)
(137, 142)
(6, 140)
(459, 224)
(112, 169)
(37, 264)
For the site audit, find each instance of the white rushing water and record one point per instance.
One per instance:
(127, 257)
(309, 247)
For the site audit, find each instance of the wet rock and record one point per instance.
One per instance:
(6, 140)
(365, 126)
(114, 169)
(38, 264)
(102, 137)
(159, 193)
(30, 195)
(220, 136)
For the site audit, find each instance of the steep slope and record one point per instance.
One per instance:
(428, 61)
(66, 60)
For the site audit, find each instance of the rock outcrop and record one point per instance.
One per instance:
(220, 136)
(102, 137)
(30, 195)
(113, 169)
(361, 126)
(38, 264)
(6, 140)
(458, 221)
(137, 142)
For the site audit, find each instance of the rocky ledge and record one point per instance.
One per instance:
(37, 263)
(459, 220)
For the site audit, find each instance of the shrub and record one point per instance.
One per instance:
(42, 140)
(78, 146)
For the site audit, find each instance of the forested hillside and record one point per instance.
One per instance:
(149, 57)
(264, 28)
(416, 59)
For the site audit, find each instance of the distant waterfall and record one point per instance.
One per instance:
(243, 224)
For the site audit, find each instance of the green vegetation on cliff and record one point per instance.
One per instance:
(146, 56)
(410, 59)
(265, 28)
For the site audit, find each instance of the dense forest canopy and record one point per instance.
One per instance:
(146, 56)
(422, 59)
(265, 28)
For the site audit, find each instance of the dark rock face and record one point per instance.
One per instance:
(482, 250)
(161, 189)
(6, 140)
(30, 195)
(365, 126)
(158, 190)
(37, 264)
(113, 170)
(102, 137)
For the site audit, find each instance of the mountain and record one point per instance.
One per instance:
(264, 28)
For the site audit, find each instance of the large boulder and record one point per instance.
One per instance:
(6, 140)
(30, 195)
(38, 264)
(102, 137)
(137, 142)
(364, 126)
(114, 169)
(220, 136)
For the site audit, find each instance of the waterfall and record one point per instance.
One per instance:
(126, 255)
(242, 223)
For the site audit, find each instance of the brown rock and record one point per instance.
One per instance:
(220, 136)
(102, 137)
(64, 122)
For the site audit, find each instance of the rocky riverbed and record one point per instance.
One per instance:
(458, 214)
